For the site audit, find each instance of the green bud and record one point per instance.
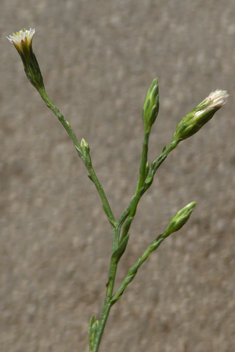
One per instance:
(85, 150)
(22, 41)
(85, 146)
(199, 116)
(179, 219)
(151, 105)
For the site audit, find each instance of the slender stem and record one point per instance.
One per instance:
(126, 218)
(110, 300)
(133, 270)
(166, 151)
(102, 323)
(114, 262)
(108, 211)
(113, 265)
(129, 213)
(109, 293)
(60, 117)
(101, 192)
(144, 159)
(88, 165)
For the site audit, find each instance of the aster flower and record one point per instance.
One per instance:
(199, 116)
(22, 41)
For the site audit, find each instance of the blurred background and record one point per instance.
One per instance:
(98, 59)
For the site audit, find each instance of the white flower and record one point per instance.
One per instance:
(22, 41)
(218, 98)
(24, 36)
(215, 99)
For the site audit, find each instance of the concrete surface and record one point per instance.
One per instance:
(98, 59)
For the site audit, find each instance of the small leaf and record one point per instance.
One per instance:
(149, 180)
(107, 212)
(120, 250)
(89, 176)
(93, 327)
(92, 320)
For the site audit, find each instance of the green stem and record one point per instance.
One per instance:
(114, 262)
(101, 192)
(102, 323)
(129, 213)
(144, 159)
(109, 293)
(108, 211)
(133, 270)
(157, 162)
(88, 165)
(137, 195)
(61, 118)
(126, 218)
(113, 265)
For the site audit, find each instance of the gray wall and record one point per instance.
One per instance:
(98, 59)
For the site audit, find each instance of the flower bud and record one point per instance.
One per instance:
(22, 41)
(199, 116)
(85, 146)
(179, 219)
(151, 105)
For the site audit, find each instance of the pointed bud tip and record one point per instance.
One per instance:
(151, 104)
(218, 98)
(83, 141)
(180, 218)
(85, 146)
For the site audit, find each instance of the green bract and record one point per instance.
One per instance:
(179, 219)
(151, 105)
(22, 41)
(199, 116)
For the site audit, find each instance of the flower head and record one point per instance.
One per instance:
(199, 116)
(22, 41)
(179, 219)
(151, 105)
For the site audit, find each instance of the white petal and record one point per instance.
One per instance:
(23, 34)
